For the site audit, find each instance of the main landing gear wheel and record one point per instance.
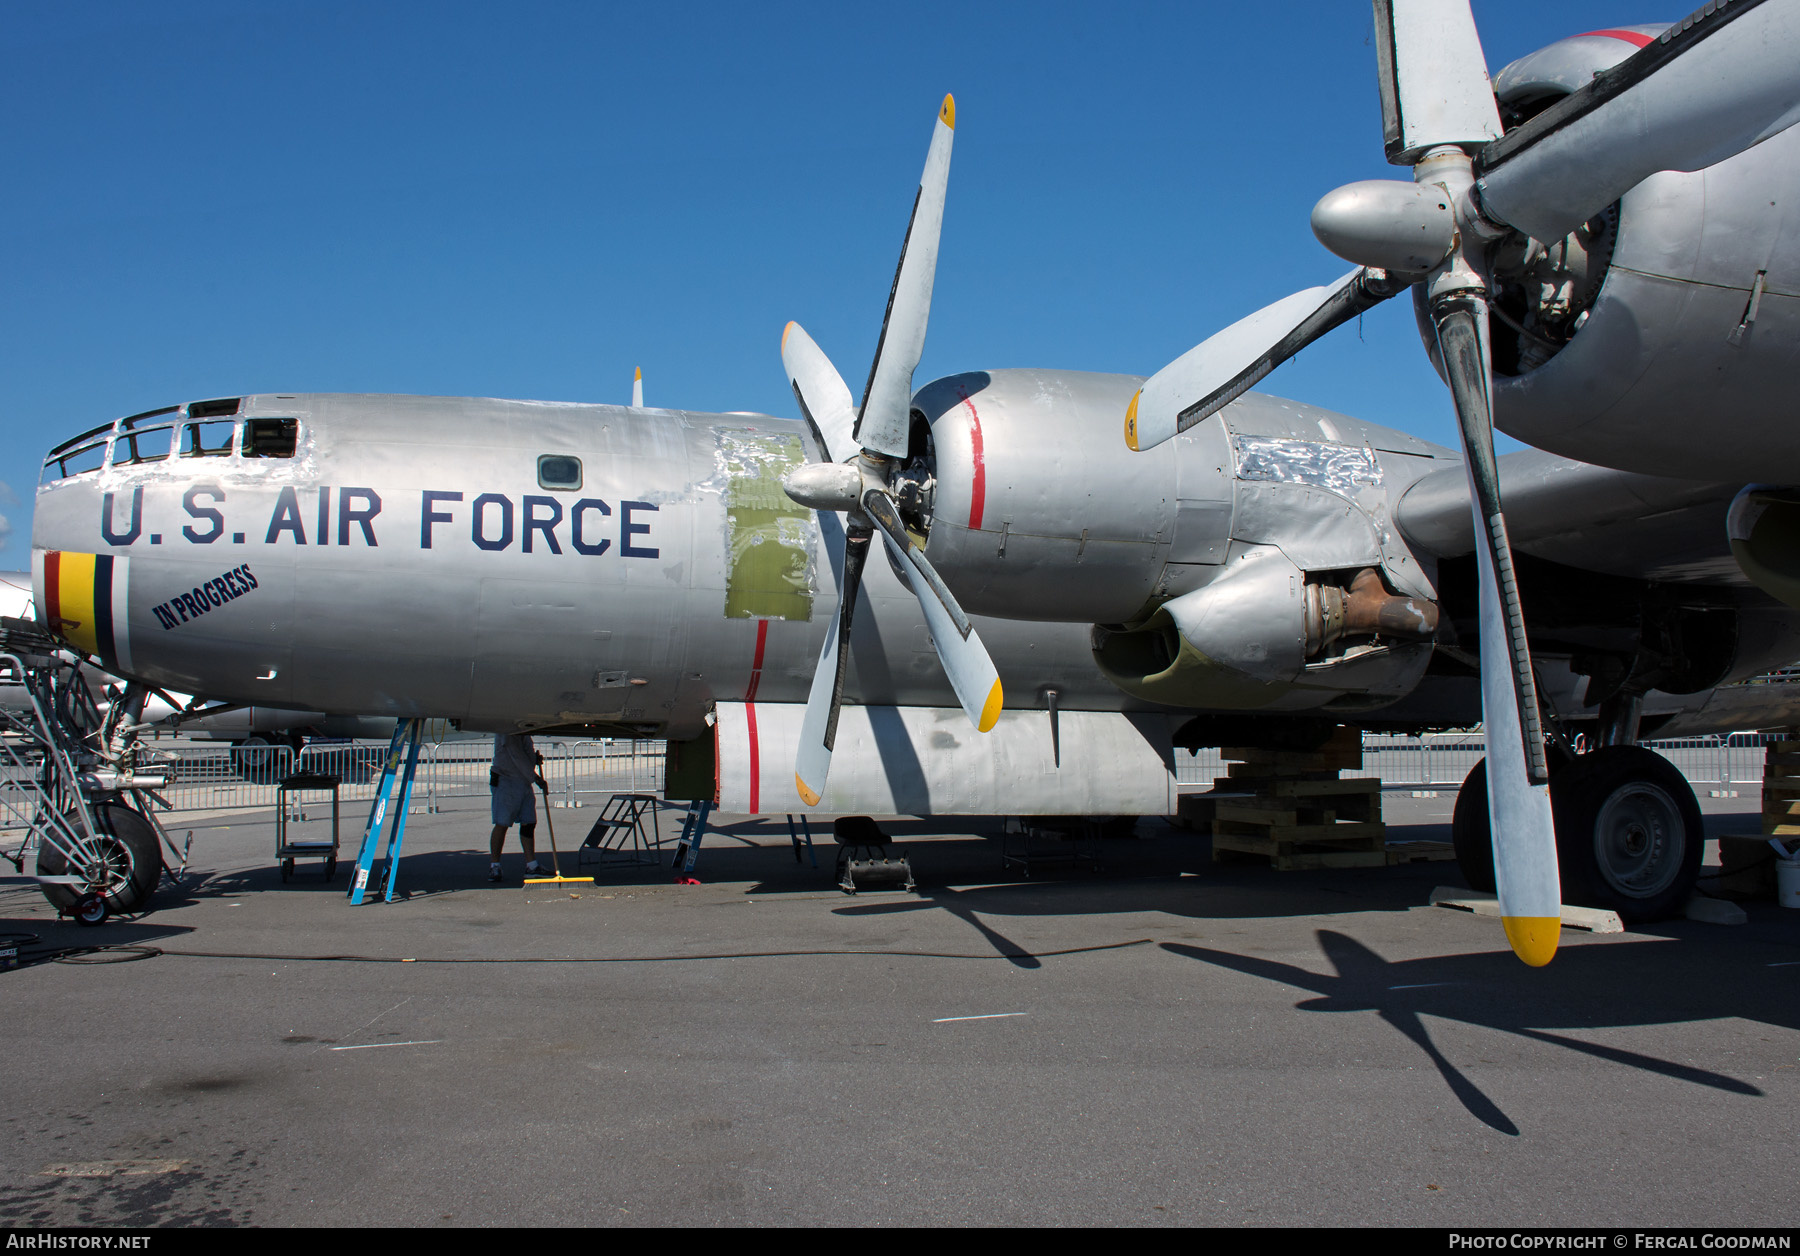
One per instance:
(131, 865)
(1628, 832)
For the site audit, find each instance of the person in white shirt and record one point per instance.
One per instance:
(514, 770)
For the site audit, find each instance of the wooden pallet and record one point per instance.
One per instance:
(1781, 789)
(1419, 852)
(1305, 824)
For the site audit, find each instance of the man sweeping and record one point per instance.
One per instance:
(515, 767)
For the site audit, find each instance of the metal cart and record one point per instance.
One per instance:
(287, 851)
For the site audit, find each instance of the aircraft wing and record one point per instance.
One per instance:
(1643, 527)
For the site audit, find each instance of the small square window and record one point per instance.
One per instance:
(270, 438)
(559, 471)
(207, 440)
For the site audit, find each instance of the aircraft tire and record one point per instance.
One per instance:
(1469, 833)
(133, 863)
(1629, 834)
(256, 759)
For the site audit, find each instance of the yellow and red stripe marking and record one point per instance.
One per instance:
(82, 600)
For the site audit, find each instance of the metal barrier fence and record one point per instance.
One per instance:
(1439, 759)
(211, 776)
(214, 776)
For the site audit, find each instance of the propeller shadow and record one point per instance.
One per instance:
(1599, 986)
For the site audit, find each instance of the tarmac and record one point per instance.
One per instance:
(1152, 1039)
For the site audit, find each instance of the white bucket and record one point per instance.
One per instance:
(1787, 882)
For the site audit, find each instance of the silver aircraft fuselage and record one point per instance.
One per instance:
(410, 558)
(518, 564)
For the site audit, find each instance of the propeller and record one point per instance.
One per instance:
(637, 389)
(863, 447)
(1706, 89)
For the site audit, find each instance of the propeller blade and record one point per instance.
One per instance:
(883, 423)
(1519, 814)
(1220, 369)
(637, 390)
(1433, 75)
(823, 396)
(965, 659)
(1706, 89)
(818, 726)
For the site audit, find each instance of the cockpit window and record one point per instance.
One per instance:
(270, 438)
(77, 461)
(150, 446)
(206, 440)
(559, 471)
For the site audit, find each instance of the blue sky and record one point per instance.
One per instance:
(530, 200)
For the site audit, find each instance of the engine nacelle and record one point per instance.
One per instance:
(1671, 315)
(1041, 512)
(1249, 564)
(1266, 635)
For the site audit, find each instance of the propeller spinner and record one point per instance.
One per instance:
(1707, 88)
(858, 487)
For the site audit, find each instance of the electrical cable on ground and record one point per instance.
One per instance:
(127, 954)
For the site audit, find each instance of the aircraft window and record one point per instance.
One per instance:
(270, 438)
(151, 446)
(145, 419)
(206, 440)
(559, 471)
(213, 409)
(75, 462)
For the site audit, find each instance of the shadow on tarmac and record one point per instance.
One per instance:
(1610, 985)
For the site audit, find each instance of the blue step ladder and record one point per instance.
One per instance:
(794, 836)
(391, 822)
(687, 846)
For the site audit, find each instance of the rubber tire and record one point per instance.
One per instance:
(1469, 831)
(1578, 796)
(1469, 824)
(131, 841)
(256, 759)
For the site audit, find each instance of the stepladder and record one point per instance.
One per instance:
(387, 817)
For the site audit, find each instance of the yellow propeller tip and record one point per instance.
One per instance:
(947, 115)
(1533, 938)
(639, 373)
(806, 795)
(1131, 421)
(785, 331)
(990, 710)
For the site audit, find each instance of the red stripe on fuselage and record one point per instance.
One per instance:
(978, 488)
(52, 609)
(756, 664)
(1630, 37)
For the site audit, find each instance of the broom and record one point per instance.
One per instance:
(555, 862)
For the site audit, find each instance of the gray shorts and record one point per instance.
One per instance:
(514, 802)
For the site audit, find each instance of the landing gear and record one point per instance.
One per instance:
(1628, 832)
(130, 863)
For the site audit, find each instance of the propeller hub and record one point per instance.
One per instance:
(825, 486)
(1393, 226)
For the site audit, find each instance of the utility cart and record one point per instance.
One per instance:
(286, 849)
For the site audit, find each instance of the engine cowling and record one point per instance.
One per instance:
(1671, 313)
(1254, 569)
